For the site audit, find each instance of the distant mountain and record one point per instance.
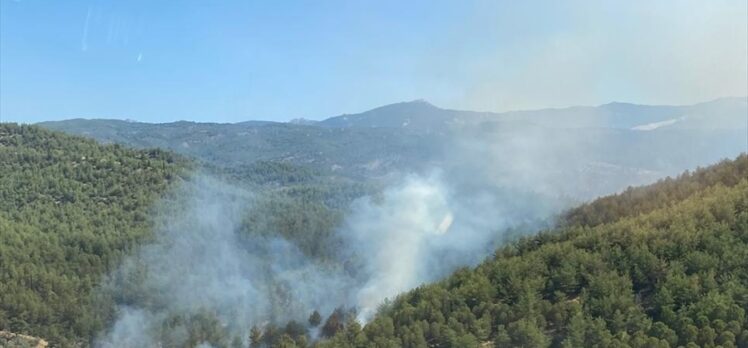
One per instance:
(302, 121)
(418, 114)
(633, 143)
(725, 113)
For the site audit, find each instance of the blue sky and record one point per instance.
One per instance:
(228, 61)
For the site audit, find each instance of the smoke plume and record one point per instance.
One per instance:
(202, 273)
(200, 265)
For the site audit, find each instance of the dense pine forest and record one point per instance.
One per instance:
(659, 266)
(70, 209)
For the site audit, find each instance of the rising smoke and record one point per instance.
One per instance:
(200, 265)
(420, 228)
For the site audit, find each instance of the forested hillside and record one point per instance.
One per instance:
(660, 266)
(70, 209)
(639, 200)
(351, 152)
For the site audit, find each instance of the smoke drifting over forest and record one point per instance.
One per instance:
(418, 229)
(200, 265)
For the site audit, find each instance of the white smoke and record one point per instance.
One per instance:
(393, 238)
(200, 264)
(496, 178)
(419, 229)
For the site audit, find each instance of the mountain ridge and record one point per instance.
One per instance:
(425, 105)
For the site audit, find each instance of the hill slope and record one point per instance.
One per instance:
(69, 210)
(670, 270)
